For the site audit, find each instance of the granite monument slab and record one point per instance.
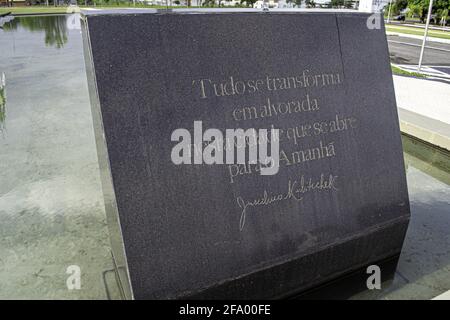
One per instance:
(195, 230)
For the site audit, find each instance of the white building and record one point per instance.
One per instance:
(372, 5)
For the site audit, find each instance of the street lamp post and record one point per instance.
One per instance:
(425, 35)
(389, 11)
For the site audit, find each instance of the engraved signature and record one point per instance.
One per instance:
(295, 191)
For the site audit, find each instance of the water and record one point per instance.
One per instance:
(424, 266)
(51, 206)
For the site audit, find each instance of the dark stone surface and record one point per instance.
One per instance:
(180, 224)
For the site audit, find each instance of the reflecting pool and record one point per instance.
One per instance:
(51, 206)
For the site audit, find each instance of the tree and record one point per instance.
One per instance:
(337, 3)
(443, 16)
(248, 3)
(398, 6)
(415, 10)
(298, 3)
(348, 4)
(438, 7)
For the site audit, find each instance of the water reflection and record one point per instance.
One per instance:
(51, 206)
(55, 28)
(2, 102)
(424, 265)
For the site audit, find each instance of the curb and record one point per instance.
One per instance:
(426, 129)
(444, 296)
(412, 36)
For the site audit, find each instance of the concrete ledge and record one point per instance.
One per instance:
(429, 130)
(415, 36)
(444, 296)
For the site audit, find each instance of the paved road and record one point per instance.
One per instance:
(407, 51)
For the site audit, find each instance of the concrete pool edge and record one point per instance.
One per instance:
(432, 131)
(444, 296)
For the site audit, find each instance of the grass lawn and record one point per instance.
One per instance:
(33, 10)
(400, 72)
(52, 9)
(419, 32)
